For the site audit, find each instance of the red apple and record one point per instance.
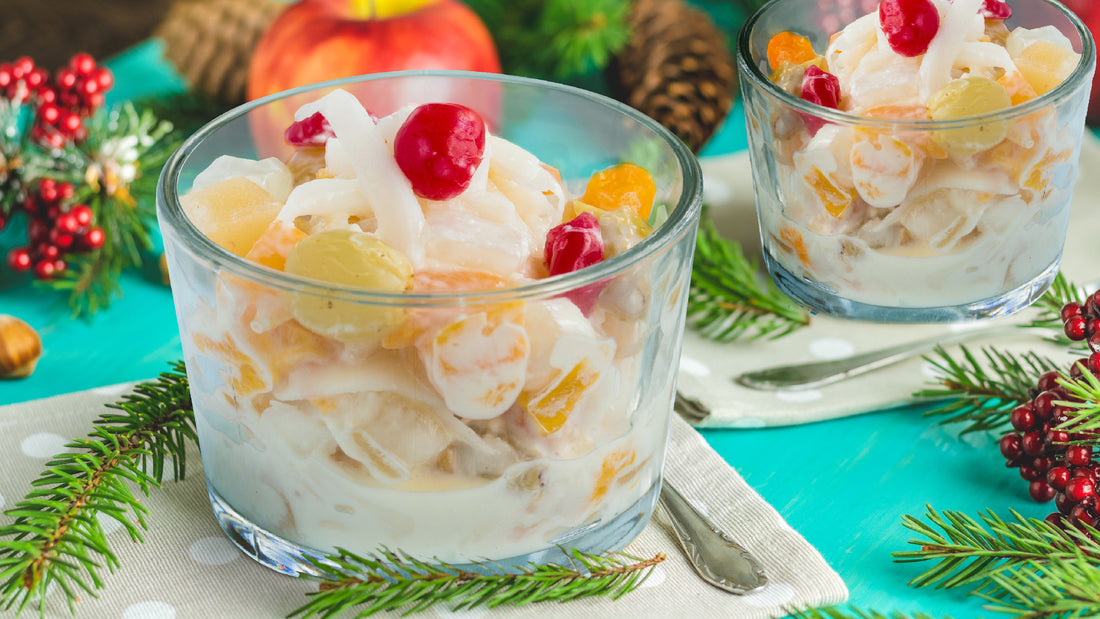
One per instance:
(318, 40)
(1089, 12)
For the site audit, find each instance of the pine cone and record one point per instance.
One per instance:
(676, 69)
(210, 42)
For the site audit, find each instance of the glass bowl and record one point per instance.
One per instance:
(894, 220)
(313, 441)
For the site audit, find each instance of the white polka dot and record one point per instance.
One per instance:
(966, 326)
(108, 524)
(831, 348)
(929, 370)
(694, 367)
(149, 610)
(213, 551)
(655, 578)
(800, 397)
(771, 594)
(111, 390)
(43, 445)
(747, 422)
(716, 191)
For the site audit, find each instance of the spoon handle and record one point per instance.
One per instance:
(820, 373)
(718, 559)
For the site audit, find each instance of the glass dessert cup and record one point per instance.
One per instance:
(882, 219)
(314, 439)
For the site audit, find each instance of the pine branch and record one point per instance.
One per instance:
(983, 394)
(56, 537)
(855, 613)
(555, 39)
(1049, 306)
(120, 162)
(973, 553)
(388, 580)
(1054, 590)
(728, 298)
(1083, 407)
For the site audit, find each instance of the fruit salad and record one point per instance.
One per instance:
(391, 390)
(934, 189)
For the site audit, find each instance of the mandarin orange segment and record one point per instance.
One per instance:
(789, 48)
(551, 406)
(791, 240)
(835, 198)
(613, 465)
(247, 377)
(274, 245)
(622, 185)
(1019, 90)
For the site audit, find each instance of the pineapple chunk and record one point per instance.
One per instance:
(233, 213)
(1045, 65)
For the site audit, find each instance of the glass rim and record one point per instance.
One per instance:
(679, 220)
(1067, 89)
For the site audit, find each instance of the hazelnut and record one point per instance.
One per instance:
(20, 348)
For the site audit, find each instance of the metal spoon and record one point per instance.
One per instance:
(816, 374)
(719, 560)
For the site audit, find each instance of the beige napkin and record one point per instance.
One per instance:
(707, 368)
(187, 568)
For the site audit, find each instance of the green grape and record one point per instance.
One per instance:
(354, 259)
(969, 96)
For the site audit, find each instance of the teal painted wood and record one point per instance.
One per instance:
(843, 484)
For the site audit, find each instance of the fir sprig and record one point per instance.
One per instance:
(730, 300)
(971, 553)
(120, 162)
(1049, 309)
(555, 39)
(1084, 406)
(1053, 590)
(390, 580)
(983, 394)
(56, 537)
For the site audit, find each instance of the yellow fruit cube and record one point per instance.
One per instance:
(233, 213)
(1045, 65)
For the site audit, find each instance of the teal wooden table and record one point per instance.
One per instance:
(842, 484)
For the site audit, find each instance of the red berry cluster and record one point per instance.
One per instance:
(63, 101)
(1081, 321)
(56, 228)
(1042, 447)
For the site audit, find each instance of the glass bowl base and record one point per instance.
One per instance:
(820, 300)
(287, 557)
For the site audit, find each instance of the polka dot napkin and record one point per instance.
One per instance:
(707, 369)
(188, 569)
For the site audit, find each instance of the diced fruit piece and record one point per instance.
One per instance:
(305, 163)
(479, 363)
(790, 240)
(969, 96)
(789, 48)
(571, 246)
(233, 213)
(312, 130)
(789, 76)
(439, 147)
(1019, 89)
(622, 185)
(355, 259)
(909, 25)
(1045, 65)
(613, 465)
(576, 207)
(274, 245)
(421, 321)
(822, 88)
(996, 9)
(621, 230)
(884, 168)
(270, 174)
